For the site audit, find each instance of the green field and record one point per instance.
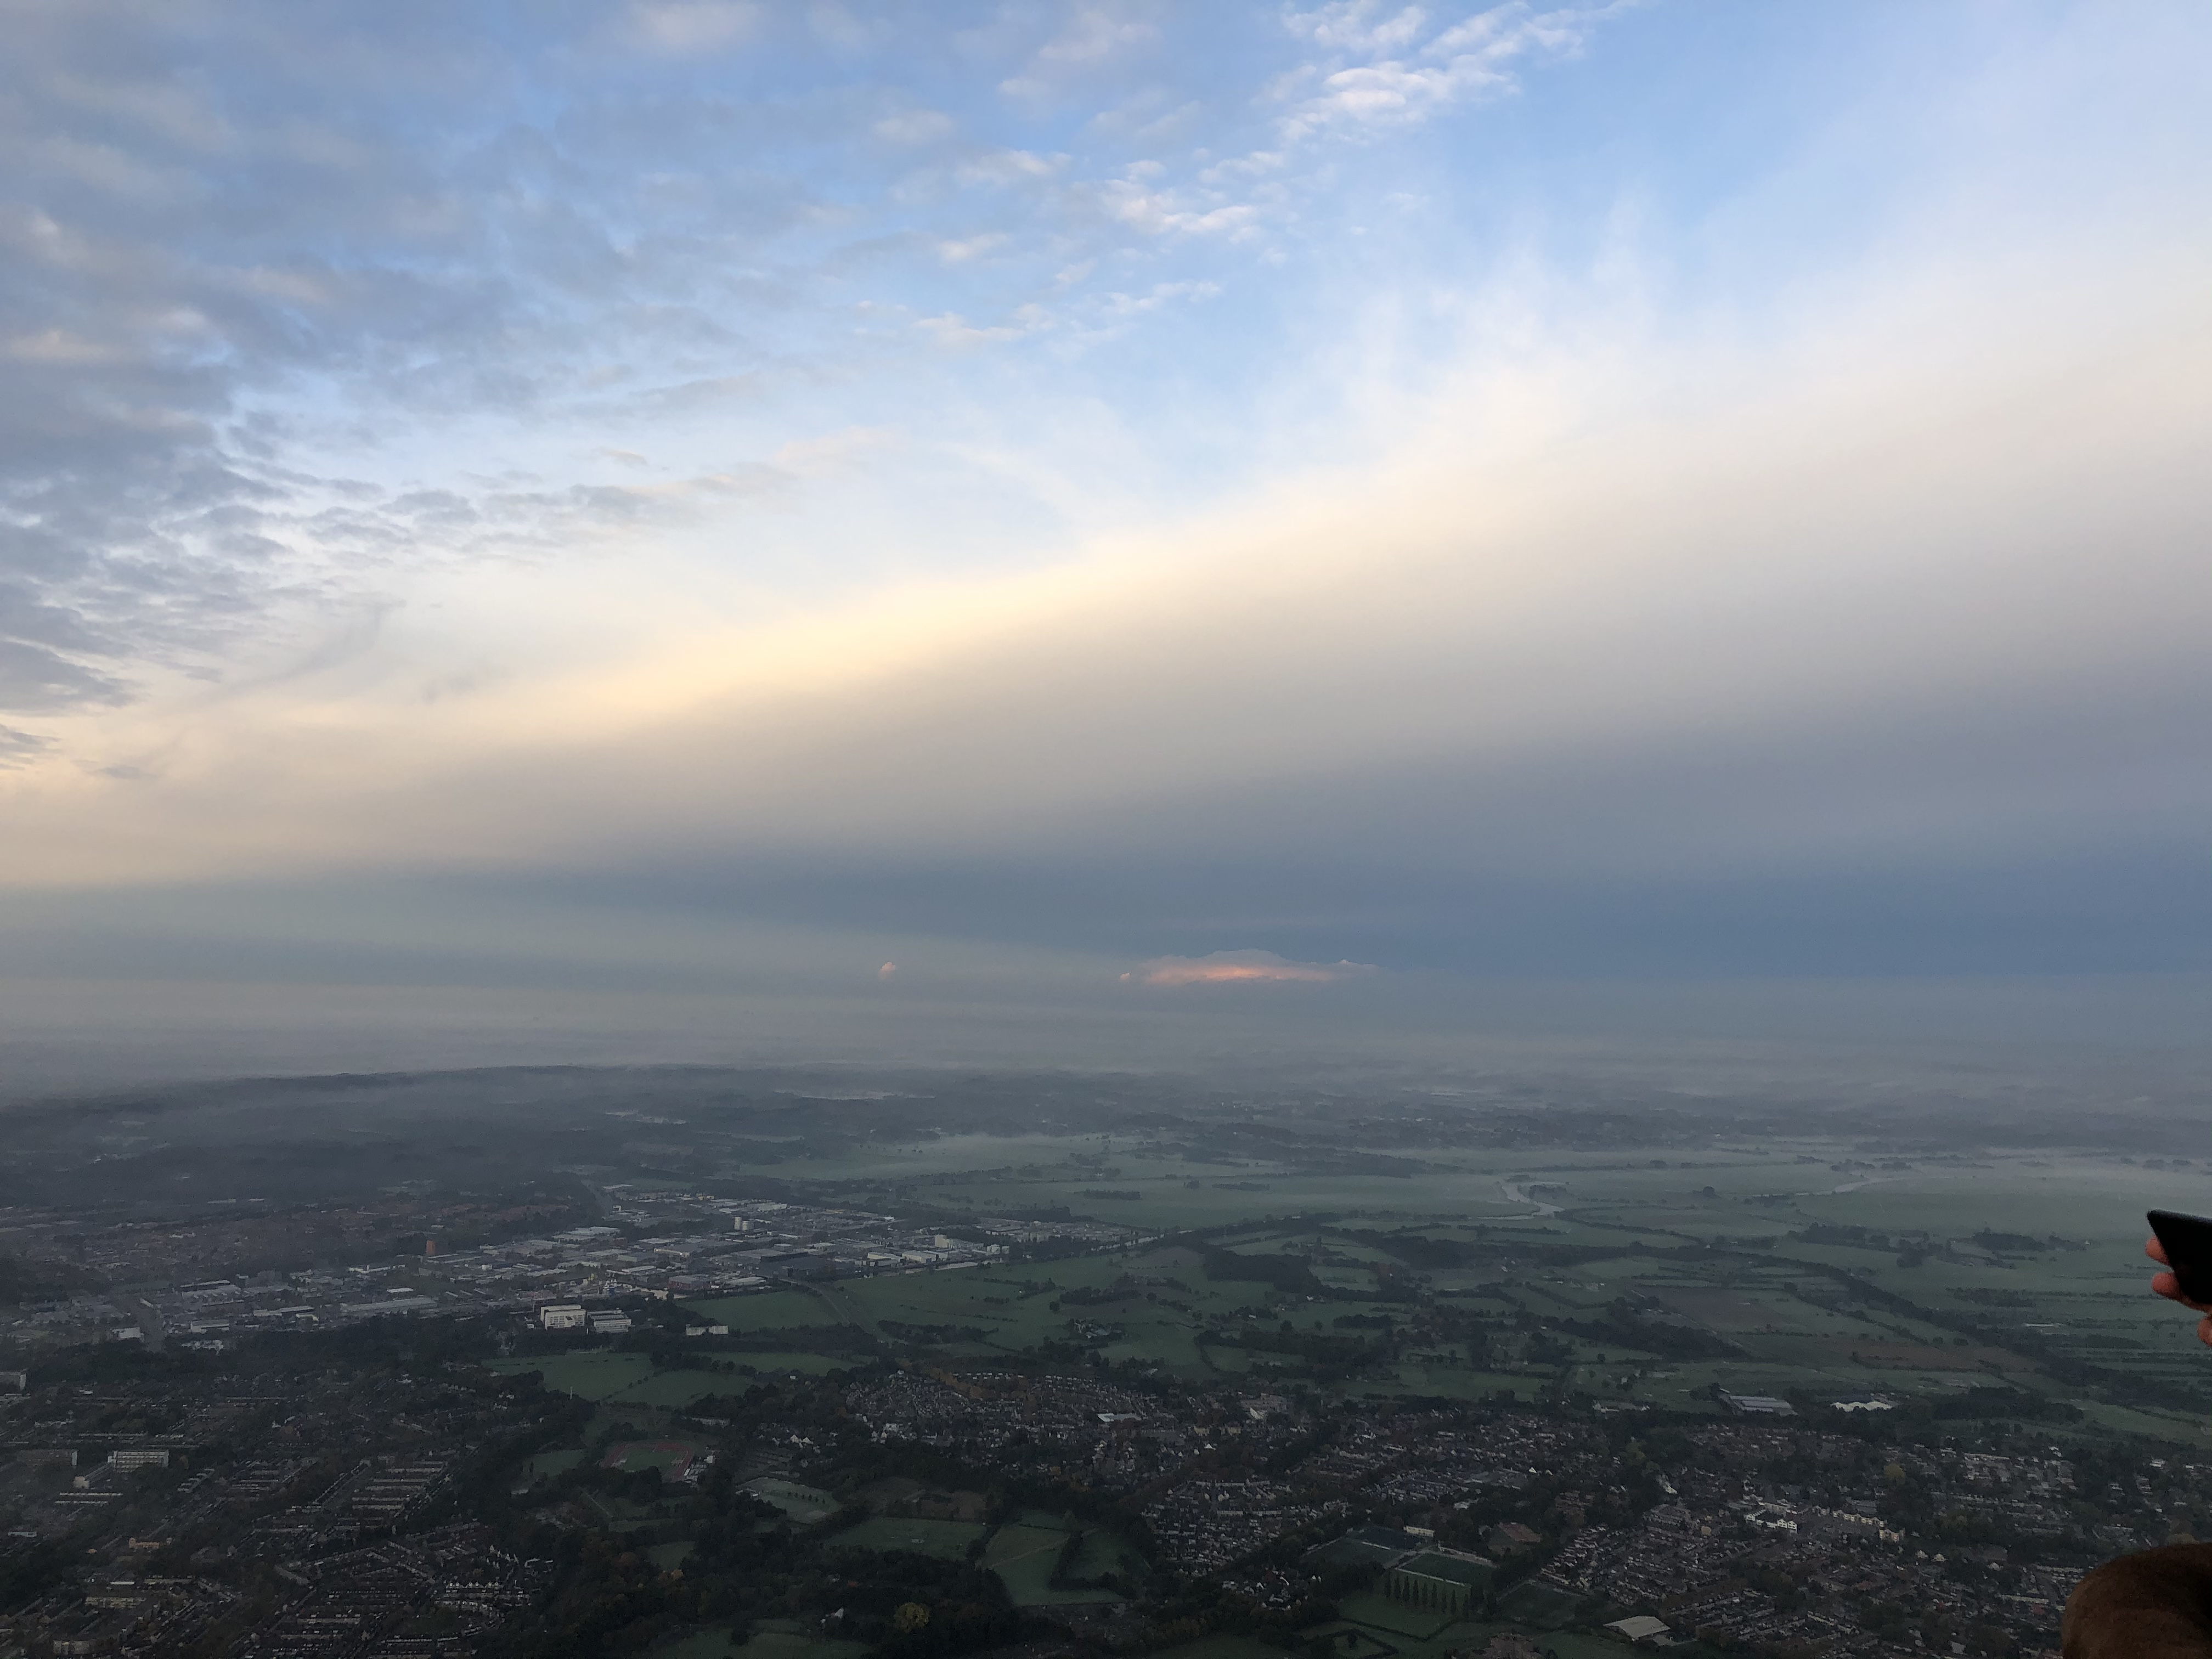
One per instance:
(752, 1366)
(766, 1310)
(629, 1379)
(1221, 1647)
(714, 1644)
(767, 1642)
(804, 1504)
(1532, 1602)
(633, 1457)
(589, 1375)
(948, 1541)
(676, 1389)
(1104, 1551)
(1378, 1612)
(1023, 1554)
(1350, 1641)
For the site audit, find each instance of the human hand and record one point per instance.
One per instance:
(2170, 1287)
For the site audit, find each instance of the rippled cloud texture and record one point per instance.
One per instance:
(720, 497)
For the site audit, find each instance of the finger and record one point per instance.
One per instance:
(2168, 1286)
(2155, 1250)
(2204, 1330)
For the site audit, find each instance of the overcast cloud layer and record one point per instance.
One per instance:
(1121, 500)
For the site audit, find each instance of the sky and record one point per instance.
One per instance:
(805, 519)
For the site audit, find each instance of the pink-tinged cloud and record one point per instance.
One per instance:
(1245, 968)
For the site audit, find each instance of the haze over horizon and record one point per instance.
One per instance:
(1100, 530)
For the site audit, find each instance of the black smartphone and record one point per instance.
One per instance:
(2187, 1241)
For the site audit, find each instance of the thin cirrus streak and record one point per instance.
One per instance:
(1245, 968)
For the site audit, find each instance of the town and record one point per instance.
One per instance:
(351, 1477)
(714, 1247)
(1391, 1381)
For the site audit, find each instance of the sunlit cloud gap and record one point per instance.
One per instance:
(1243, 967)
